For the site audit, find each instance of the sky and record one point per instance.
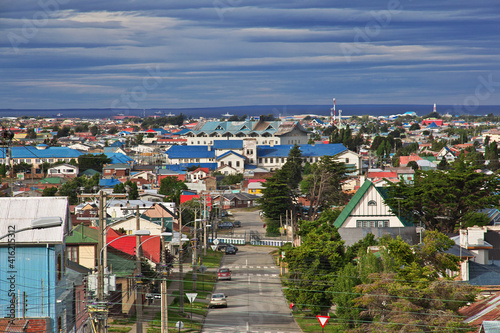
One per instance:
(197, 53)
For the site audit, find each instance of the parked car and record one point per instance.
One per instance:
(218, 300)
(226, 225)
(157, 296)
(224, 274)
(237, 224)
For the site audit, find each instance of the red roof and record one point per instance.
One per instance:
(382, 174)
(403, 160)
(150, 247)
(150, 131)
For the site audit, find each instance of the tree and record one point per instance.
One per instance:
(94, 130)
(172, 188)
(313, 267)
(413, 294)
(30, 134)
(91, 161)
(22, 167)
(293, 167)
(413, 165)
(72, 187)
(232, 179)
(322, 186)
(443, 164)
(443, 200)
(276, 199)
(133, 193)
(49, 192)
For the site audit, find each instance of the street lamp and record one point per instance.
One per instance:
(39, 223)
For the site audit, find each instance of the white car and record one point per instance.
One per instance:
(218, 300)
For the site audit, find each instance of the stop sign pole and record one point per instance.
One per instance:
(322, 321)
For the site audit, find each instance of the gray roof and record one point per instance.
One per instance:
(483, 275)
(20, 211)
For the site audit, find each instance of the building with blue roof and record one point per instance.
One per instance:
(270, 157)
(38, 155)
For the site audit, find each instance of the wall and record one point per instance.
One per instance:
(351, 235)
(33, 272)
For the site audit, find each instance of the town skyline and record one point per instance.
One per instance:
(59, 54)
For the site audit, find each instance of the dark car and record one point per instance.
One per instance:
(224, 246)
(231, 250)
(226, 225)
(237, 224)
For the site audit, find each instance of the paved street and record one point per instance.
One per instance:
(255, 299)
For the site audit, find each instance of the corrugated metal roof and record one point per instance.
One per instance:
(190, 152)
(49, 152)
(228, 144)
(307, 150)
(19, 212)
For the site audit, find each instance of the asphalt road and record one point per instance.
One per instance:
(255, 298)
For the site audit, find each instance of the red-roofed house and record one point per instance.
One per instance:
(151, 245)
(404, 160)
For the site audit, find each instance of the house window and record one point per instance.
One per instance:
(59, 267)
(372, 224)
(237, 163)
(72, 253)
(372, 203)
(265, 160)
(271, 160)
(260, 160)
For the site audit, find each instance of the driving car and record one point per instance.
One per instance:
(226, 225)
(218, 300)
(224, 274)
(231, 250)
(237, 224)
(224, 246)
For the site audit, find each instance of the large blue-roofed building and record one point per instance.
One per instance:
(38, 155)
(240, 154)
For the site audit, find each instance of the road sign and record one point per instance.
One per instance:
(323, 320)
(213, 247)
(202, 269)
(191, 296)
(216, 241)
(179, 325)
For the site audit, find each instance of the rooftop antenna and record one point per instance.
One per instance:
(332, 113)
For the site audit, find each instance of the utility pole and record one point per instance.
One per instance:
(164, 295)
(102, 310)
(181, 278)
(100, 271)
(195, 252)
(138, 299)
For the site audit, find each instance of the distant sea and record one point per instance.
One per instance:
(256, 110)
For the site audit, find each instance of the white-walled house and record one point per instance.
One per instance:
(63, 170)
(367, 212)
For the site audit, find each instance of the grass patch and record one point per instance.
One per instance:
(119, 329)
(213, 258)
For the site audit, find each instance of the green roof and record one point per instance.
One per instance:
(89, 172)
(360, 193)
(51, 180)
(122, 265)
(82, 234)
(352, 204)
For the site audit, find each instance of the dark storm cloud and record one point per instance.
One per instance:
(223, 52)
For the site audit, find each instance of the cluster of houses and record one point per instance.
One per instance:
(52, 268)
